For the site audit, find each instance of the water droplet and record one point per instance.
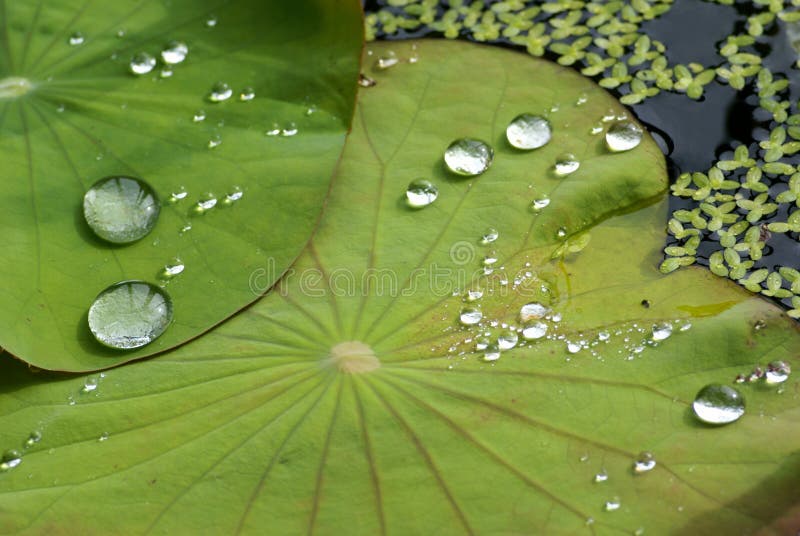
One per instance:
(489, 236)
(718, 404)
(247, 94)
(492, 353)
(661, 331)
(574, 347)
(89, 385)
(10, 459)
(482, 343)
(612, 505)
(172, 268)
(365, 81)
(536, 330)
(468, 156)
(142, 63)
(289, 130)
(178, 195)
(561, 232)
(490, 259)
(602, 476)
(76, 39)
(220, 92)
(421, 193)
(211, 22)
(103, 437)
(470, 316)
(274, 130)
(33, 438)
(121, 209)
(596, 129)
(603, 336)
(777, 372)
(235, 195)
(205, 203)
(389, 59)
(174, 52)
(582, 99)
(566, 164)
(507, 340)
(199, 115)
(215, 141)
(130, 314)
(532, 311)
(623, 136)
(539, 204)
(644, 463)
(528, 132)
(474, 295)
(165, 73)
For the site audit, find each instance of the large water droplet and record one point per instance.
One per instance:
(142, 63)
(10, 459)
(121, 209)
(533, 331)
(777, 372)
(532, 311)
(468, 156)
(507, 340)
(644, 463)
(421, 193)
(76, 39)
(470, 316)
(528, 132)
(718, 404)
(566, 164)
(661, 331)
(220, 92)
(174, 52)
(130, 314)
(623, 136)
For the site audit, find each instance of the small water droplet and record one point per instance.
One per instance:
(661, 331)
(10, 459)
(233, 196)
(561, 232)
(566, 163)
(247, 94)
(365, 81)
(492, 353)
(199, 115)
(166, 72)
(121, 209)
(421, 193)
(603, 336)
(470, 316)
(596, 129)
(612, 505)
(574, 347)
(602, 476)
(481, 343)
(527, 132)
(33, 438)
(215, 141)
(718, 404)
(289, 130)
(539, 204)
(205, 203)
(468, 156)
(103, 437)
(178, 195)
(174, 52)
(644, 463)
(490, 259)
(533, 331)
(532, 311)
(582, 99)
(623, 136)
(220, 91)
(274, 130)
(130, 314)
(507, 340)
(389, 59)
(211, 22)
(142, 63)
(474, 295)
(76, 39)
(89, 385)
(120, 33)
(777, 372)
(489, 236)
(172, 268)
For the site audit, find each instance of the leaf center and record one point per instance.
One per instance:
(14, 86)
(354, 357)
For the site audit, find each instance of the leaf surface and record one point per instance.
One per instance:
(336, 402)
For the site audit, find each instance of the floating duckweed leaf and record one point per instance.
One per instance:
(72, 115)
(336, 399)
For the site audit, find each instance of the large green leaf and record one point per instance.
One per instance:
(337, 405)
(87, 117)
